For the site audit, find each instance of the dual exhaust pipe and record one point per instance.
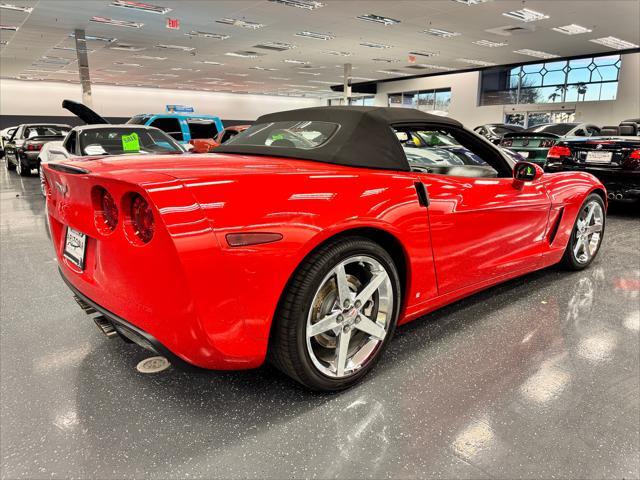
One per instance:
(615, 196)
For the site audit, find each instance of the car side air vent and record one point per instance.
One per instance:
(556, 224)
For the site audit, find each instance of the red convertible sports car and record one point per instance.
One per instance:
(307, 238)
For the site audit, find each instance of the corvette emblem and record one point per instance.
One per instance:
(62, 188)
(599, 146)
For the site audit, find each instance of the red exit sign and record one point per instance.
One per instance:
(173, 23)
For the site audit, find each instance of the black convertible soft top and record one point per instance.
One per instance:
(365, 137)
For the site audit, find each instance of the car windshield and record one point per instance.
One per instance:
(555, 128)
(46, 131)
(303, 135)
(120, 141)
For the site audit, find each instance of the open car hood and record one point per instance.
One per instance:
(83, 112)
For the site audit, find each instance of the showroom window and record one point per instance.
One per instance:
(170, 126)
(532, 118)
(362, 101)
(555, 81)
(426, 100)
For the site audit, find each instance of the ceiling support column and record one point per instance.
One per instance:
(83, 66)
(346, 95)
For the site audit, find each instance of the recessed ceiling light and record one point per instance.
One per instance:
(370, 17)
(240, 23)
(375, 45)
(535, 53)
(572, 29)
(613, 42)
(473, 61)
(316, 35)
(306, 4)
(472, 2)
(526, 15)
(176, 47)
(275, 46)
(295, 62)
(3, 42)
(17, 8)
(489, 43)
(237, 74)
(149, 57)
(244, 54)
(215, 36)
(143, 7)
(255, 82)
(9, 28)
(126, 47)
(95, 38)
(210, 62)
(439, 32)
(125, 64)
(423, 53)
(337, 53)
(385, 60)
(116, 23)
(263, 69)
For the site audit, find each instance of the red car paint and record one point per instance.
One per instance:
(212, 305)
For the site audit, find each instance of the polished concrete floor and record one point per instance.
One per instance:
(537, 378)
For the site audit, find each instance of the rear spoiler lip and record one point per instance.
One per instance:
(41, 138)
(531, 134)
(61, 167)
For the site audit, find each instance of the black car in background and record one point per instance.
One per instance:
(614, 159)
(495, 131)
(23, 147)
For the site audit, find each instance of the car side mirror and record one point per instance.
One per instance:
(526, 172)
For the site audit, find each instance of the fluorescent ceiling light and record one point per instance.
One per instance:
(263, 69)
(306, 4)
(168, 75)
(9, 28)
(471, 2)
(72, 49)
(109, 70)
(254, 82)
(237, 74)
(210, 62)
(295, 62)
(126, 48)
(142, 7)
(526, 15)
(572, 29)
(149, 57)
(240, 23)
(315, 74)
(3, 42)
(180, 69)
(279, 78)
(489, 43)
(95, 38)
(17, 8)
(431, 66)
(393, 72)
(323, 82)
(370, 17)
(535, 53)
(175, 47)
(375, 45)
(473, 61)
(125, 64)
(215, 36)
(275, 46)
(244, 54)
(116, 23)
(423, 53)
(614, 42)
(439, 32)
(385, 60)
(300, 86)
(337, 53)
(316, 35)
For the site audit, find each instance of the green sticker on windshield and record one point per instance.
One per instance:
(277, 136)
(530, 170)
(131, 143)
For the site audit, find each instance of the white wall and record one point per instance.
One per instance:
(44, 98)
(464, 98)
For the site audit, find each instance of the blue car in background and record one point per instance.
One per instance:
(183, 127)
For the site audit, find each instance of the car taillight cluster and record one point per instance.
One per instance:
(139, 222)
(506, 142)
(33, 147)
(558, 151)
(547, 143)
(635, 155)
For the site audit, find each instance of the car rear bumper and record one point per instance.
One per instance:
(620, 184)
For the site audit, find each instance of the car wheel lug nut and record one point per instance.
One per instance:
(358, 303)
(346, 303)
(358, 319)
(339, 318)
(346, 329)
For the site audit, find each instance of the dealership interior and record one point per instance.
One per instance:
(214, 215)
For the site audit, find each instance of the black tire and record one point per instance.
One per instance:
(7, 163)
(22, 168)
(569, 260)
(287, 349)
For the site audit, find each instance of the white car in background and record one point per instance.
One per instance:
(4, 136)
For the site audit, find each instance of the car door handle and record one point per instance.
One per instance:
(423, 196)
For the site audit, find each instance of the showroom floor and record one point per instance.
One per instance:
(539, 377)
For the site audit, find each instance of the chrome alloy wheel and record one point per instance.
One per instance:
(588, 232)
(349, 316)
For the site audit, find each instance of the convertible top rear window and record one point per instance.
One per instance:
(291, 134)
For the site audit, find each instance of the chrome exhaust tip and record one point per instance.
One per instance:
(105, 326)
(611, 196)
(619, 196)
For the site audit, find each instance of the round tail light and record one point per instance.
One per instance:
(142, 218)
(109, 210)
